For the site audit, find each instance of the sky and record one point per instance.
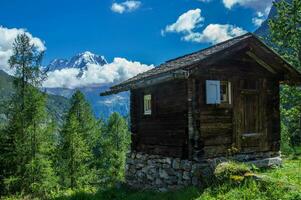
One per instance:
(147, 31)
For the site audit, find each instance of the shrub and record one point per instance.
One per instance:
(231, 171)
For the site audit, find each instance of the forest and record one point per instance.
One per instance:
(84, 157)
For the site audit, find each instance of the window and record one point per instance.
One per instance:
(225, 92)
(147, 104)
(218, 92)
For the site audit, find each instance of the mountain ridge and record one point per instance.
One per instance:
(80, 61)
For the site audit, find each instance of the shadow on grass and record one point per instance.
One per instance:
(125, 193)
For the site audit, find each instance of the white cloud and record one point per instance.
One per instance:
(215, 33)
(259, 5)
(189, 23)
(262, 8)
(186, 22)
(126, 6)
(258, 19)
(119, 70)
(261, 16)
(7, 38)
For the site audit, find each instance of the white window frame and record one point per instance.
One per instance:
(147, 104)
(228, 92)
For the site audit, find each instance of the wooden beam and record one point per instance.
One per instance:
(261, 62)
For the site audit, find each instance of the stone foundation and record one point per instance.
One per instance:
(166, 173)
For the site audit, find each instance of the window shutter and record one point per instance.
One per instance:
(213, 95)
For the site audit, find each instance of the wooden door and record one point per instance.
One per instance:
(252, 121)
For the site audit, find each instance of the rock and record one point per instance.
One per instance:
(158, 181)
(130, 161)
(195, 181)
(166, 166)
(186, 175)
(186, 165)
(268, 162)
(139, 165)
(176, 164)
(139, 155)
(162, 189)
(150, 177)
(163, 174)
(133, 155)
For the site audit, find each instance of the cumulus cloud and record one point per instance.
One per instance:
(259, 5)
(215, 33)
(126, 6)
(118, 70)
(186, 22)
(261, 16)
(7, 37)
(189, 23)
(258, 19)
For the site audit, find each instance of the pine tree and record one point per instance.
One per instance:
(26, 137)
(78, 141)
(115, 146)
(286, 35)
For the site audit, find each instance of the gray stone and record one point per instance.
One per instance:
(130, 161)
(139, 165)
(139, 155)
(158, 181)
(186, 175)
(268, 162)
(176, 164)
(195, 181)
(165, 166)
(140, 174)
(186, 165)
(163, 189)
(150, 177)
(163, 174)
(133, 155)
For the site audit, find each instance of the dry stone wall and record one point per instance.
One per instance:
(166, 173)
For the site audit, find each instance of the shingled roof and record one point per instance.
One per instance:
(181, 63)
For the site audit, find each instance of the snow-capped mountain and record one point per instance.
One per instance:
(102, 106)
(57, 64)
(80, 61)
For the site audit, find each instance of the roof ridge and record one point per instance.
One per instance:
(204, 49)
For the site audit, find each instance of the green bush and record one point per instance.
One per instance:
(231, 171)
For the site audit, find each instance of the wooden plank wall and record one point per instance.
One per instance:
(220, 126)
(214, 129)
(165, 132)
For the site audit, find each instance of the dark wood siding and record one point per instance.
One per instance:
(183, 125)
(165, 130)
(224, 129)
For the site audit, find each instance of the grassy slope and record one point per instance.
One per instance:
(284, 183)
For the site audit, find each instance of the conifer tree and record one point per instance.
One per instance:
(115, 146)
(78, 140)
(286, 36)
(25, 154)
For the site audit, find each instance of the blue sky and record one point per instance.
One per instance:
(71, 26)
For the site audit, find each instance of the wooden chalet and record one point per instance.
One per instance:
(203, 104)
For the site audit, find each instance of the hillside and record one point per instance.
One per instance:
(56, 105)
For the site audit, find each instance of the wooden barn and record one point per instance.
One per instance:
(205, 104)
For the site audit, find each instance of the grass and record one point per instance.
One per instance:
(280, 183)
